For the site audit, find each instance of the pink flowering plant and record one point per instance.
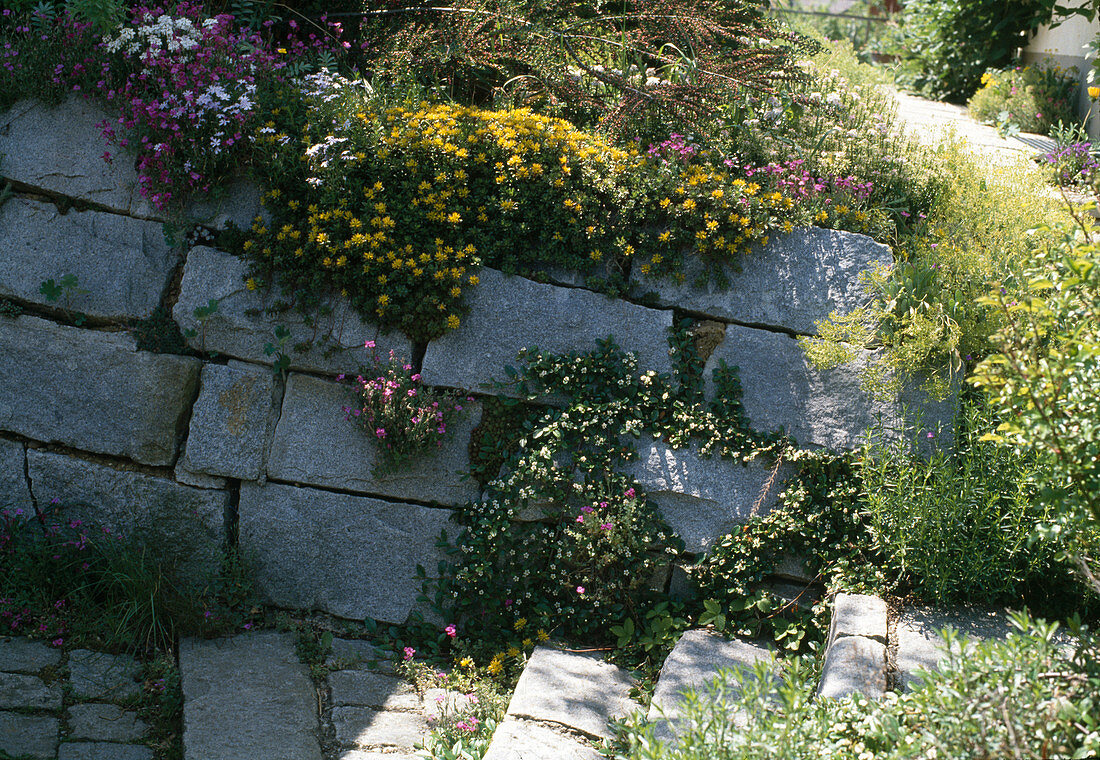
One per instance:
(405, 417)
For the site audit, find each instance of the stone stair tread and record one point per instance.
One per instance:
(517, 739)
(578, 690)
(247, 697)
(693, 664)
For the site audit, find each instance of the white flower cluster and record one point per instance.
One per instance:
(154, 36)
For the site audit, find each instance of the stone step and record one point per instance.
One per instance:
(247, 697)
(920, 645)
(694, 663)
(562, 698)
(855, 653)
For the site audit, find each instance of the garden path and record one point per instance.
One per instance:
(933, 122)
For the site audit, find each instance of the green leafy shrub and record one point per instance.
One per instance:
(1027, 696)
(1045, 377)
(960, 525)
(1030, 98)
(949, 44)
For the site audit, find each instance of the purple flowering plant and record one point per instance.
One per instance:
(404, 417)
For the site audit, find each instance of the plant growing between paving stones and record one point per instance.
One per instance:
(1028, 696)
(403, 416)
(1030, 98)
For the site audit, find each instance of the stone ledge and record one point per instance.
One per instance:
(122, 265)
(239, 328)
(858, 615)
(791, 283)
(509, 313)
(93, 390)
(854, 664)
(351, 556)
(315, 445)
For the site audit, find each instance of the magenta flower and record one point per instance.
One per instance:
(605, 526)
(409, 652)
(630, 493)
(580, 589)
(451, 630)
(380, 432)
(369, 344)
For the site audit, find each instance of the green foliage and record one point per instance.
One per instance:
(1024, 697)
(959, 526)
(561, 539)
(466, 724)
(45, 40)
(63, 579)
(949, 44)
(1045, 378)
(160, 333)
(1032, 98)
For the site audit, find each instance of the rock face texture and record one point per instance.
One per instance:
(93, 390)
(247, 697)
(237, 325)
(229, 422)
(186, 525)
(818, 408)
(313, 413)
(121, 265)
(352, 556)
(704, 498)
(60, 149)
(511, 313)
(791, 283)
(14, 493)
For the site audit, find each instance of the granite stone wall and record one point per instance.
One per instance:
(194, 452)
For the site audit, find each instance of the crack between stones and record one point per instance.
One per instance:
(365, 494)
(66, 203)
(29, 481)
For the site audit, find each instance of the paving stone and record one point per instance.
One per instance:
(103, 751)
(817, 408)
(186, 524)
(364, 727)
(524, 740)
(580, 691)
(854, 664)
(196, 479)
(98, 675)
(60, 148)
(122, 265)
(313, 426)
(33, 736)
(794, 281)
(14, 493)
(93, 390)
(359, 654)
(793, 568)
(920, 644)
(229, 422)
(20, 690)
(108, 723)
(238, 327)
(858, 615)
(25, 656)
(367, 689)
(693, 664)
(359, 754)
(351, 556)
(701, 498)
(510, 313)
(247, 697)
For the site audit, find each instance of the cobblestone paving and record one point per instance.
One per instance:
(76, 705)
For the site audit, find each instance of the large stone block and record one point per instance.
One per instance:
(818, 408)
(247, 697)
(701, 498)
(229, 422)
(525, 740)
(28, 692)
(580, 691)
(122, 265)
(314, 444)
(28, 736)
(60, 149)
(854, 665)
(858, 615)
(920, 643)
(238, 327)
(794, 281)
(351, 556)
(14, 493)
(364, 727)
(182, 524)
(510, 313)
(25, 656)
(93, 390)
(694, 663)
